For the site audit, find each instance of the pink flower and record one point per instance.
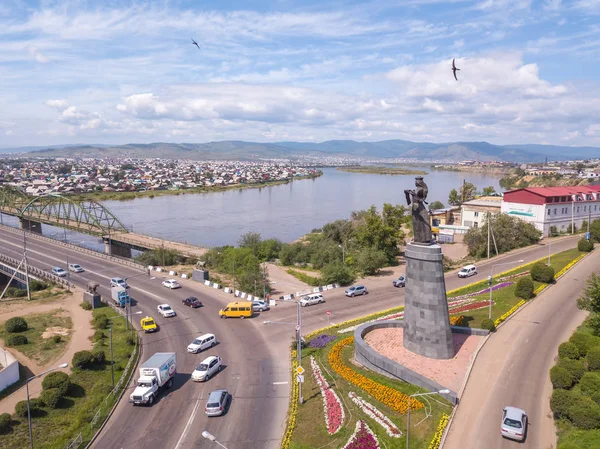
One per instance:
(334, 412)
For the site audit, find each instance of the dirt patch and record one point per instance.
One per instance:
(56, 330)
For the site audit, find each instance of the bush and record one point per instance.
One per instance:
(15, 324)
(13, 292)
(85, 305)
(593, 359)
(457, 320)
(130, 340)
(4, 422)
(542, 273)
(568, 350)
(101, 322)
(524, 288)
(58, 380)
(56, 339)
(560, 377)
(83, 359)
(36, 286)
(585, 245)
(488, 324)
(21, 409)
(51, 397)
(16, 340)
(99, 356)
(574, 367)
(590, 384)
(584, 342)
(99, 335)
(585, 414)
(561, 400)
(554, 231)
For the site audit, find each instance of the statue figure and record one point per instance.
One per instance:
(420, 215)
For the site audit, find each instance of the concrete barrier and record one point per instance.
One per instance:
(10, 371)
(207, 283)
(159, 269)
(215, 285)
(227, 290)
(172, 273)
(184, 276)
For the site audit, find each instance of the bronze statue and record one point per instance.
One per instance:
(420, 215)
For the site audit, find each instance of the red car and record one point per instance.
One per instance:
(192, 301)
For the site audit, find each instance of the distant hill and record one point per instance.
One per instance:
(240, 150)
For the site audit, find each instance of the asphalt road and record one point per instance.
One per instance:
(513, 368)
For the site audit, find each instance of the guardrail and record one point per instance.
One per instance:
(76, 442)
(35, 273)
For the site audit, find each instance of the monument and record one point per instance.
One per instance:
(426, 321)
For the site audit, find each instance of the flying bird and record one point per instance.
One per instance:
(195, 43)
(454, 69)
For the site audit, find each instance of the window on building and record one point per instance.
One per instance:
(475, 224)
(549, 211)
(476, 214)
(554, 211)
(577, 209)
(585, 208)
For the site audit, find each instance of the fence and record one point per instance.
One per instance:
(35, 273)
(76, 442)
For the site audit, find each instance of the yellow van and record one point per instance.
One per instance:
(240, 309)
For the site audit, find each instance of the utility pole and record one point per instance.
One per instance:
(488, 226)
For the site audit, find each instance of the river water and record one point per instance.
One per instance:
(285, 211)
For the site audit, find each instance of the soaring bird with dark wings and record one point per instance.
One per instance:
(195, 43)
(454, 69)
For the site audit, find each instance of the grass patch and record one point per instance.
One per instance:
(307, 279)
(39, 349)
(55, 429)
(310, 431)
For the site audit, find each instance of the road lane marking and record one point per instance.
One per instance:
(189, 423)
(280, 383)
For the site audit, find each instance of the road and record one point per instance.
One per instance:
(256, 355)
(513, 366)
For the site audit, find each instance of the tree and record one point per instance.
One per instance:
(436, 205)
(590, 298)
(454, 198)
(467, 192)
(487, 191)
(370, 260)
(250, 240)
(337, 273)
(381, 233)
(340, 231)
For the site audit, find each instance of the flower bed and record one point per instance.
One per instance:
(457, 320)
(485, 290)
(291, 421)
(376, 414)
(321, 341)
(392, 316)
(392, 398)
(510, 312)
(471, 306)
(437, 438)
(362, 438)
(569, 265)
(513, 276)
(371, 317)
(334, 412)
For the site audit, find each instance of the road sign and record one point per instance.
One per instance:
(300, 370)
(297, 328)
(328, 313)
(300, 378)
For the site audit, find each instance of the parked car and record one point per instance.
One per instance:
(259, 306)
(205, 370)
(192, 302)
(309, 300)
(356, 290)
(201, 343)
(166, 310)
(400, 282)
(171, 283)
(216, 402)
(467, 270)
(76, 268)
(148, 324)
(58, 271)
(118, 282)
(514, 423)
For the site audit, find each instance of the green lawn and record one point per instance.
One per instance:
(55, 429)
(42, 350)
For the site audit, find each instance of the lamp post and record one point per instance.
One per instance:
(211, 437)
(112, 362)
(63, 365)
(298, 325)
(549, 250)
(490, 280)
(445, 391)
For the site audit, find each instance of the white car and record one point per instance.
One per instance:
(309, 300)
(514, 423)
(205, 370)
(171, 283)
(467, 270)
(75, 267)
(118, 282)
(259, 306)
(166, 310)
(201, 343)
(58, 271)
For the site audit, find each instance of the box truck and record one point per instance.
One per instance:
(156, 372)
(120, 296)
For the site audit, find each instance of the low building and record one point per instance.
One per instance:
(447, 216)
(554, 206)
(474, 212)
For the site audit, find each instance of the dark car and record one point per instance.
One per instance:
(192, 301)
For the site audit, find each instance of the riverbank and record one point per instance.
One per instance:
(473, 169)
(376, 170)
(126, 196)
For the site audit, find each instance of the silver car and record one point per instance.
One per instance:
(514, 423)
(216, 402)
(356, 290)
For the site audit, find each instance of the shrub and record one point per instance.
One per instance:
(36, 286)
(574, 367)
(16, 340)
(553, 231)
(83, 359)
(56, 338)
(13, 292)
(21, 409)
(457, 320)
(560, 377)
(568, 350)
(99, 335)
(584, 342)
(561, 400)
(58, 380)
(101, 322)
(585, 245)
(585, 414)
(51, 397)
(590, 383)
(99, 356)
(542, 273)
(85, 305)
(488, 324)
(15, 324)
(524, 288)
(593, 359)
(4, 422)
(130, 340)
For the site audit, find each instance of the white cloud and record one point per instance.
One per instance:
(57, 104)
(38, 56)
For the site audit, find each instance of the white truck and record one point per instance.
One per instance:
(120, 296)
(156, 372)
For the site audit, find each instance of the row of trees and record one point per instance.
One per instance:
(466, 192)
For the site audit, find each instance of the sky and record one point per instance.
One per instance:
(115, 72)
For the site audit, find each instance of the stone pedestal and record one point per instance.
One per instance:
(93, 298)
(426, 322)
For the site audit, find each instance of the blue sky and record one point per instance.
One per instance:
(120, 72)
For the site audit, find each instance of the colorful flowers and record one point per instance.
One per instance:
(509, 313)
(485, 290)
(471, 306)
(321, 341)
(334, 412)
(389, 396)
(376, 414)
(437, 438)
(291, 421)
(457, 320)
(362, 438)
(513, 276)
(568, 266)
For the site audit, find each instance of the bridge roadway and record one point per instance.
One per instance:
(256, 354)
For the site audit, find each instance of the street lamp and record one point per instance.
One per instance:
(298, 325)
(444, 391)
(61, 366)
(549, 250)
(211, 437)
(112, 368)
(490, 279)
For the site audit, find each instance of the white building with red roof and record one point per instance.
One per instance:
(553, 206)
